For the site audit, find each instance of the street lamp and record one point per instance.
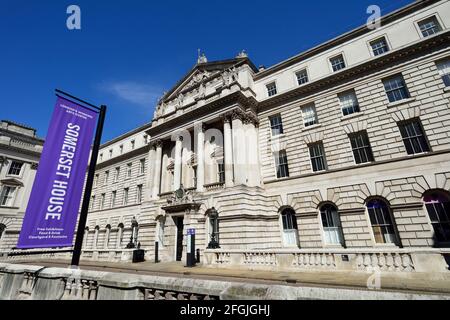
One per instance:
(214, 223)
(133, 238)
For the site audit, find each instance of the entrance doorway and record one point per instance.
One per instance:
(179, 240)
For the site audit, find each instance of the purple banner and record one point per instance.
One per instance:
(52, 211)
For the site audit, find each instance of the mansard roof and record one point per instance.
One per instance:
(212, 66)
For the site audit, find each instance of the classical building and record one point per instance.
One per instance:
(20, 150)
(338, 157)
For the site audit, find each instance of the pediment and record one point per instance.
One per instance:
(11, 182)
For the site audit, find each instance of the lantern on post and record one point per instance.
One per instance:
(214, 224)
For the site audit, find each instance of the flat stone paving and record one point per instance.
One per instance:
(401, 281)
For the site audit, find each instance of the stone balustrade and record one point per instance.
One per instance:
(214, 186)
(383, 259)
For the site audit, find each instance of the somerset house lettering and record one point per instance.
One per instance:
(337, 158)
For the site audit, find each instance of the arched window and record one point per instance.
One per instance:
(94, 244)
(85, 237)
(331, 223)
(290, 229)
(107, 235)
(381, 220)
(438, 207)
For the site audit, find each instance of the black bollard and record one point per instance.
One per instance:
(156, 251)
(198, 256)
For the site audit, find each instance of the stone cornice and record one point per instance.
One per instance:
(391, 17)
(392, 58)
(234, 98)
(123, 157)
(21, 136)
(36, 154)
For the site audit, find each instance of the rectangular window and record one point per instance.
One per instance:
(221, 171)
(141, 166)
(15, 168)
(92, 203)
(129, 170)
(309, 115)
(7, 196)
(379, 46)
(116, 174)
(102, 201)
(145, 139)
(110, 153)
(349, 103)
(276, 125)
(113, 199)
(96, 180)
(444, 71)
(121, 149)
(125, 196)
(429, 26)
(302, 77)
(413, 137)
(133, 144)
(105, 181)
(281, 163)
(101, 156)
(139, 194)
(361, 147)
(317, 157)
(271, 89)
(396, 88)
(337, 63)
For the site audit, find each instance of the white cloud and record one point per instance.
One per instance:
(136, 93)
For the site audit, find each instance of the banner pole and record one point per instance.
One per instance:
(87, 193)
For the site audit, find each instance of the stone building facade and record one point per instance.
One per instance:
(20, 150)
(338, 157)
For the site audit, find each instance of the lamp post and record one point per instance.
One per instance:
(214, 221)
(133, 238)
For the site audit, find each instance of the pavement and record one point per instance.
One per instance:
(400, 281)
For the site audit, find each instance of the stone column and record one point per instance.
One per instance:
(253, 167)
(200, 131)
(157, 171)
(239, 149)
(178, 163)
(228, 151)
(150, 172)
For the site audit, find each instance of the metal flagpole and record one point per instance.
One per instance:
(87, 192)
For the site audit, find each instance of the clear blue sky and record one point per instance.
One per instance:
(129, 52)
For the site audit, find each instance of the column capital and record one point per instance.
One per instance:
(200, 126)
(226, 117)
(237, 114)
(156, 143)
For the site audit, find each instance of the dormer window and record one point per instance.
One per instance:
(133, 143)
(379, 46)
(337, 63)
(429, 26)
(271, 89)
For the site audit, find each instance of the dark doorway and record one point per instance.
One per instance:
(179, 244)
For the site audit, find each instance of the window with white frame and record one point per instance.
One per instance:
(133, 144)
(110, 153)
(113, 199)
(106, 178)
(331, 224)
(309, 115)
(281, 164)
(102, 201)
(92, 203)
(349, 102)
(302, 77)
(101, 156)
(317, 157)
(271, 89)
(379, 46)
(141, 166)
(429, 26)
(276, 125)
(7, 196)
(337, 63)
(139, 194)
(413, 136)
(362, 151)
(129, 167)
(121, 148)
(396, 89)
(382, 224)
(116, 174)
(15, 168)
(290, 228)
(444, 71)
(96, 179)
(221, 170)
(125, 196)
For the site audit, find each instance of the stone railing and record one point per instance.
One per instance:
(112, 255)
(214, 186)
(388, 260)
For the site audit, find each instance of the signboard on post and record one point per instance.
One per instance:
(54, 203)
